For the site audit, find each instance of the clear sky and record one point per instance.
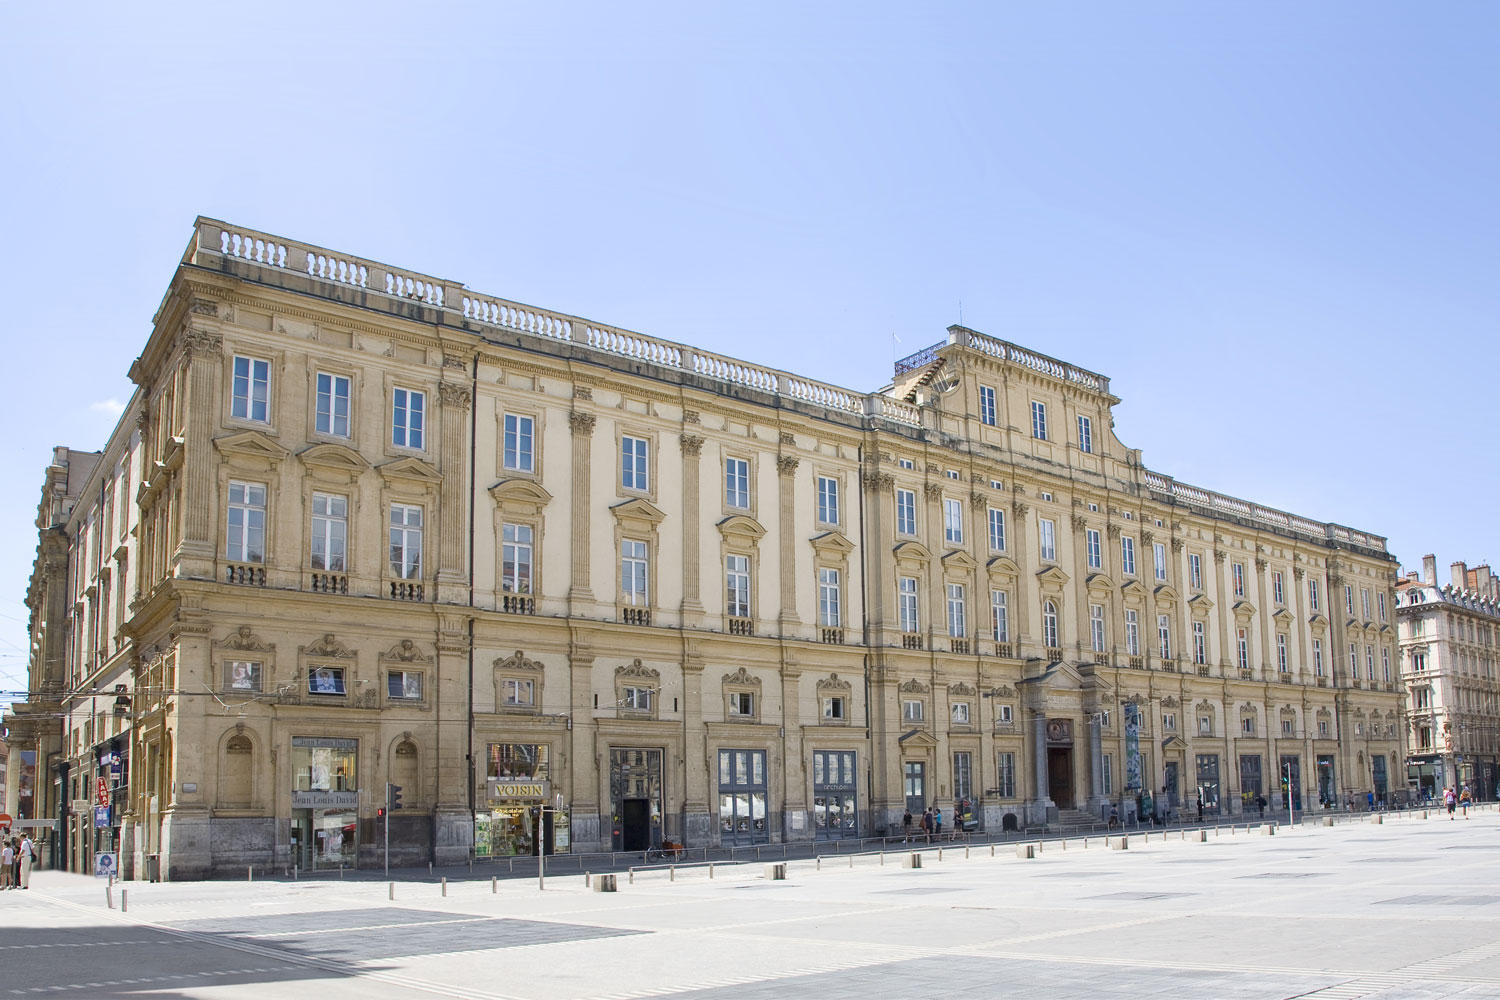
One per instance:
(1273, 225)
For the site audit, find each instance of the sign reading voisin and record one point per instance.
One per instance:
(325, 800)
(510, 790)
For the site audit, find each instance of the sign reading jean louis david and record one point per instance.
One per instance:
(106, 863)
(325, 800)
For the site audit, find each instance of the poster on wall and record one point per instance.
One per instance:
(1132, 748)
(106, 864)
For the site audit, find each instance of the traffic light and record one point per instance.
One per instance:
(393, 797)
(380, 813)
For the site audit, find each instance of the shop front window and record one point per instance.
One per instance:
(834, 794)
(518, 785)
(742, 797)
(1208, 781)
(325, 801)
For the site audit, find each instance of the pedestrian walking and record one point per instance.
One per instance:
(1465, 800)
(24, 868)
(927, 822)
(1200, 808)
(937, 821)
(1370, 801)
(7, 859)
(1450, 800)
(1260, 805)
(906, 826)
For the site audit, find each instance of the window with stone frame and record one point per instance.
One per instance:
(637, 691)
(518, 684)
(834, 696)
(405, 669)
(742, 691)
(245, 663)
(914, 695)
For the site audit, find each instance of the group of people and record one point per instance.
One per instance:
(931, 823)
(1453, 799)
(16, 856)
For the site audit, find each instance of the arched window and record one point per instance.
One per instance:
(1049, 625)
(237, 772)
(404, 771)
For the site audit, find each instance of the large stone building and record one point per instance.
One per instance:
(362, 526)
(1450, 645)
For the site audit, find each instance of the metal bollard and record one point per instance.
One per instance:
(249, 873)
(882, 857)
(341, 872)
(966, 852)
(429, 867)
(445, 886)
(495, 882)
(123, 905)
(391, 891)
(940, 852)
(819, 863)
(586, 880)
(992, 850)
(632, 876)
(851, 862)
(294, 873)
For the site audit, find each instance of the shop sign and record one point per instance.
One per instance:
(325, 800)
(103, 792)
(101, 817)
(325, 742)
(511, 790)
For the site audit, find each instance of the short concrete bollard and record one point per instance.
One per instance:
(776, 871)
(1120, 844)
(605, 882)
(1269, 829)
(390, 892)
(912, 860)
(124, 904)
(445, 886)
(109, 896)
(1327, 820)
(495, 882)
(1026, 851)
(1379, 820)
(1202, 837)
(249, 873)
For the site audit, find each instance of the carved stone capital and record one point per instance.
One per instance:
(978, 501)
(1176, 545)
(1080, 522)
(691, 417)
(1147, 538)
(454, 394)
(581, 423)
(201, 344)
(692, 445)
(880, 482)
(1114, 530)
(1261, 564)
(1219, 556)
(934, 491)
(1019, 509)
(1297, 573)
(786, 465)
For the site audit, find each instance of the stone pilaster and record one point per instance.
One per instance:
(1020, 615)
(579, 594)
(453, 504)
(1041, 803)
(692, 604)
(786, 529)
(203, 358)
(698, 826)
(452, 823)
(796, 820)
(590, 822)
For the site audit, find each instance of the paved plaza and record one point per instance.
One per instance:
(1409, 908)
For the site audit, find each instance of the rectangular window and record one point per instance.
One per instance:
(953, 521)
(1096, 627)
(1005, 775)
(1047, 532)
(1164, 635)
(1195, 571)
(1247, 725)
(1364, 603)
(912, 711)
(1353, 661)
(1005, 715)
(737, 483)
(987, 405)
(956, 611)
(906, 599)
(1281, 662)
(1039, 420)
(1242, 646)
(1108, 773)
(828, 500)
(1200, 644)
(1278, 593)
(906, 512)
(1159, 557)
(520, 443)
(999, 616)
(833, 709)
(1385, 664)
(403, 685)
(737, 586)
(242, 675)
(959, 712)
(1286, 727)
(408, 418)
(1132, 632)
(515, 558)
(1127, 555)
(518, 692)
(963, 780)
(1381, 597)
(250, 395)
(1369, 663)
(330, 523)
(406, 541)
(1318, 657)
(246, 528)
(634, 464)
(1085, 435)
(1312, 593)
(1237, 571)
(333, 405)
(1095, 550)
(829, 613)
(637, 699)
(1169, 721)
(634, 573)
(1349, 605)
(742, 703)
(325, 680)
(1205, 725)
(997, 529)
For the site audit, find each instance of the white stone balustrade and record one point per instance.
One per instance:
(1235, 507)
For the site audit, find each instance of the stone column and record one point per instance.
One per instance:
(1267, 641)
(453, 502)
(1041, 806)
(1098, 803)
(698, 827)
(203, 358)
(692, 604)
(936, 623)
(1304, 649)
(591, 831)
(1020, 614)
(186, 827)
(579, 594)
(786, 529)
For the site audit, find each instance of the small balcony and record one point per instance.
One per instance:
(405, 590)
(1101, 659)
(741, 626)
(1285, 677)
(1204, 670)
(831, 635)
(911, 640)
(1247, 673)
(518, 604)
(636, 616)
(328, 583)
(1005, 649)
(1322, 682)
(1136, 662)
(1170, 666)
(959, 645)
(1054, 654)
(245, 574)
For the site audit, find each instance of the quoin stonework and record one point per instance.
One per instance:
(360, 525)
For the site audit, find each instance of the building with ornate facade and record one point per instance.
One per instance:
(1450, 646)
(363, 526)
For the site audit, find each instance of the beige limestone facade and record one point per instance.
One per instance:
(361, 526)
(1450, 651)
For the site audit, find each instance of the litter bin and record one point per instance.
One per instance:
(153, 868)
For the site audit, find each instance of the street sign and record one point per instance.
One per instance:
(101, 816)
(5, 821)
(106, 864)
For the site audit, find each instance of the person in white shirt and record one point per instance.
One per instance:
(26, 857)
(7, 858)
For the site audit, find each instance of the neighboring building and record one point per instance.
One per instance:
(363, 526)
(1450, 644)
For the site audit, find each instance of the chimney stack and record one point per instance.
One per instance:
(1484, 582)
(1429, 569)
(1460, 576)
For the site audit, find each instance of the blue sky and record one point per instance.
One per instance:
(1273, 225)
